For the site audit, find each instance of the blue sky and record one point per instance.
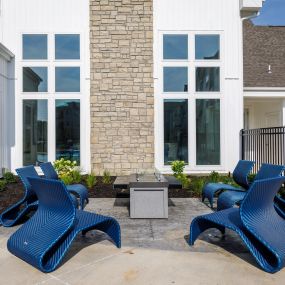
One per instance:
(272, 13)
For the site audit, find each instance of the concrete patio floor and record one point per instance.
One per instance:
(153, 252)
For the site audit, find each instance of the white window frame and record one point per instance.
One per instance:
(51, 96)
(191, 96)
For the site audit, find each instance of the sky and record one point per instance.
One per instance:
(272, 13)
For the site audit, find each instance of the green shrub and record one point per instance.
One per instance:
(177, 167)
(197, 185)
(251, 177)
(91, 180)
(185, 181)
(106, 177)
(67, 179)
(3, 184)
(64, 167)
(9, 177)
(76, 176)
(214, 177)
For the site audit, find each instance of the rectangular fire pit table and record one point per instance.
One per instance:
(148, 196)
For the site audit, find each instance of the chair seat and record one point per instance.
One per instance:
(229, 198)
(211, 189)
(81, 191)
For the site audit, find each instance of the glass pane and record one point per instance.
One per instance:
(207, 79)
(175, 46)
(175, 79)
(207, 47)
(67, 47)
(35, 79)
(68, 129)
(34, 46)
(67, 79)
(208, 131)
(175, 130)
(35, 123)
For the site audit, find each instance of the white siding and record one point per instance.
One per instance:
(223, 17)
(48, 17)
(5, 110)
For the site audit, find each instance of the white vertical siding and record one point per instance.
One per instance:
(47, 17)
(223, 17)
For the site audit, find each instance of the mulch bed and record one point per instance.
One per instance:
(14, 192)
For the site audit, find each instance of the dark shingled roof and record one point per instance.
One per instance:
(263, 46)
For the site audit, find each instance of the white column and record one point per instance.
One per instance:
(283, 113)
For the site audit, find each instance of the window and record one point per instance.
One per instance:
(207, 79)
(175, 79)
(35, 79)
(175, 47)
(186, 57)
(35, 118)
(67, 79)
(35, 47)
(62, 110)
(207, 47)
(67, 47)
(208, 132)
(68, 129)
(175, 130)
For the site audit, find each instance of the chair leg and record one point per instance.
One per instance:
(111, 227)
(200, 225)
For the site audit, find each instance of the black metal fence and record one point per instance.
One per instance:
(266, 145)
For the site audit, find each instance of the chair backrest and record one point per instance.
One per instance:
(241, 172)
(52, 195)
(269, 171)
(48, 170)
(24, 173)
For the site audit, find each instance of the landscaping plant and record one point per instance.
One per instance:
(177, 167)
(9, 177)
(106, 177)
(64, 167)
(67, 179)
(214, 177)
(91, 180)
(197, 185)
(3, 184)
(76, 176)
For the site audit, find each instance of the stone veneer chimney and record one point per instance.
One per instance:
(122, 96)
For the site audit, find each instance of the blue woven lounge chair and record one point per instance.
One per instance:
(44, 239)
(279, 204)
(17, 212)
(232, 197)
(240, 175)
(76, 189)
(256, 221)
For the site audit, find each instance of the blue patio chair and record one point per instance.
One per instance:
(46, 237)
(15, 213)
(240, 175)
(76, 189)
(260, 227)
(232, 197)
(279, 204)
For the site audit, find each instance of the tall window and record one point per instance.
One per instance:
(175, 130)
(191, 65)
(51, 108)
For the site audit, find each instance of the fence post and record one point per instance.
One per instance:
(242, 154)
